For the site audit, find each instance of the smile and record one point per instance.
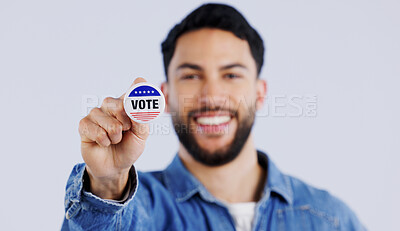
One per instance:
(213, 122)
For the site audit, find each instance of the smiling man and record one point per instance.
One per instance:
(218, 180)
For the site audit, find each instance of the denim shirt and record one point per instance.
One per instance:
(173, 199)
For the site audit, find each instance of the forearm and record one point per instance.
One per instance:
(87, 211)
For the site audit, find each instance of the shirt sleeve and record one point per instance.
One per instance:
(349, 220)
(86, 211)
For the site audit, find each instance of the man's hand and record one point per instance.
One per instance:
(110, 144)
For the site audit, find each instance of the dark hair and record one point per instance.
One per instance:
(217, 16)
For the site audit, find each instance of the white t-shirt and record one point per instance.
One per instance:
(242, 214)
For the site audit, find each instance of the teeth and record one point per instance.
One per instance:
(214, 120)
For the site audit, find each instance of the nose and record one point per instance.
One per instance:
(213, 93)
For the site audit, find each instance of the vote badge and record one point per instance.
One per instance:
(144, 102)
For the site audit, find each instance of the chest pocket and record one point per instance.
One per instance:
(305, 218)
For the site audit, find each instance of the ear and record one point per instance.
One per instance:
(164, 89)
(261, 92)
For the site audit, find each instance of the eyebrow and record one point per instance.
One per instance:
(199, 68)
(190, 66)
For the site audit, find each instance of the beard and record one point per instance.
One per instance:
(222, 155)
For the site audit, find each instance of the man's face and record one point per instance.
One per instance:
(212, 94)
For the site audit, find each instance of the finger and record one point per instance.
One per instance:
(140, 130)
(115, 108)
(91, 132)
(110, 124)
(136, 81)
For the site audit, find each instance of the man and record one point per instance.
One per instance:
(218, 180)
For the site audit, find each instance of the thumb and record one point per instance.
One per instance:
(140, 130)
(136, 81)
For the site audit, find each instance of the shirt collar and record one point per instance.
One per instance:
(184, 185)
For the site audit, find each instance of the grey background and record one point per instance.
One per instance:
(53, 54)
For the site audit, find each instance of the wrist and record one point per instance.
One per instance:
(111, 187)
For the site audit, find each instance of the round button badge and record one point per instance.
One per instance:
(144, 102)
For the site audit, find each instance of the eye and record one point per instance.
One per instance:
(190, 77)
(232, 76)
